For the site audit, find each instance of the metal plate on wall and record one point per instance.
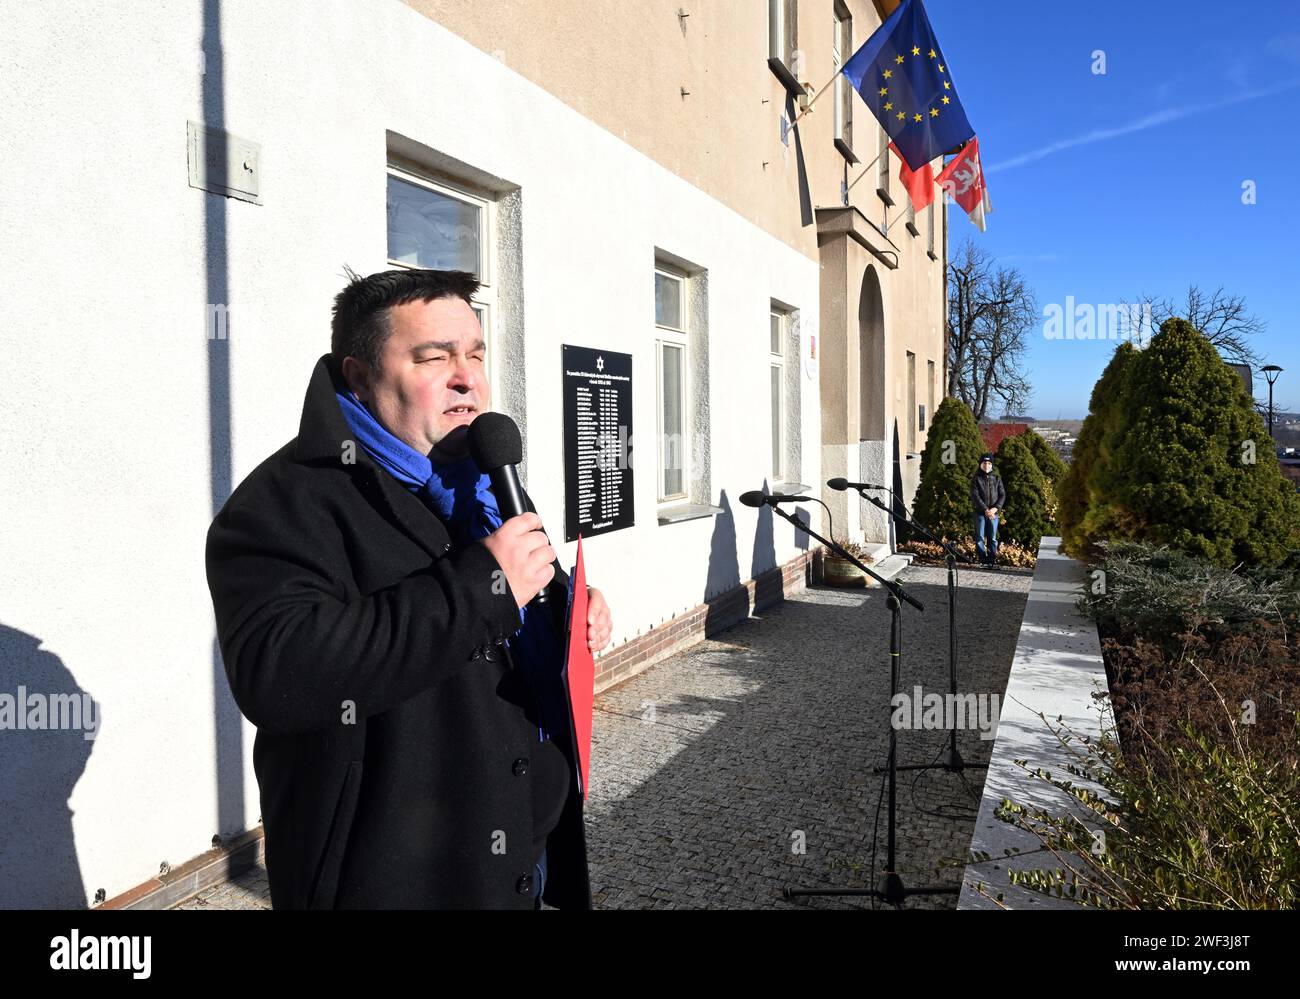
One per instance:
(224, 164)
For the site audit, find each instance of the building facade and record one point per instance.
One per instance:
(623, 177)
(708, 93)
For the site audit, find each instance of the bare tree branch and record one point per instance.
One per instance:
(968, 272)
(1220, 316)
(990, 316)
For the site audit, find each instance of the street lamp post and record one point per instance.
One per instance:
(1271, 371)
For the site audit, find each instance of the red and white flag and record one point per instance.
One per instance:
(963, 181)
(919, 184)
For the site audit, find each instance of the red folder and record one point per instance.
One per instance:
(579, 670)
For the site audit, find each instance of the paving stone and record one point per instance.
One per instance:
(774, 727)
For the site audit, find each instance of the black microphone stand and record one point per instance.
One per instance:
(893, 892)
(951, 557)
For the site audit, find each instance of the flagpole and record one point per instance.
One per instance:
(814, 99)
(867, 169)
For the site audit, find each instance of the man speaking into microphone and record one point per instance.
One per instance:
(375, 613)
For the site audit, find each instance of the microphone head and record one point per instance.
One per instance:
(494, 441)
(840, 484)
(752, 498)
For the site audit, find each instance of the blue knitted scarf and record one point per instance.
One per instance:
(461, 496)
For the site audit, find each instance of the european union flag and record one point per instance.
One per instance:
(901, 74)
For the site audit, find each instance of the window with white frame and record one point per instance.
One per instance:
(439, 226)
(942, 226)
(911, 402)
(929, 389)
(776, 374)
(671, 366)
(882, 162)
(842, 48)
(882, 178)
(929, 228)
(782, 32)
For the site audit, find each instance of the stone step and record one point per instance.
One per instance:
(889, 566)
(885, 564)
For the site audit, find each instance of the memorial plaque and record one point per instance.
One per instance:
(597, 441)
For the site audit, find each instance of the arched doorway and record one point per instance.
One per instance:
(871, 358)
(874, 457)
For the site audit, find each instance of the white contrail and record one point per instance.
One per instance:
(1150, 121)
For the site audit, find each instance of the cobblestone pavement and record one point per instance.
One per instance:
(744, 765)
(249, 890)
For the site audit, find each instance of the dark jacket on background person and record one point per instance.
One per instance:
(987, 491)
(397, 752)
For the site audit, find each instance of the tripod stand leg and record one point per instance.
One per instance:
(891, 888)
(954, 759)
(895, 675)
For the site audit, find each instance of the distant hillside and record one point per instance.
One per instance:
(1065, 426)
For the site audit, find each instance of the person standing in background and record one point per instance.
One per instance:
(988, 496)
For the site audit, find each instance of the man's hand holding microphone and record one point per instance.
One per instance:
(526, 557)
(524, 554)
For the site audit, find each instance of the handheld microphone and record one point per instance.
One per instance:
(842, 484)
(756, 498)
(497, 449)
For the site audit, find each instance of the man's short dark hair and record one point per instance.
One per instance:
(361, 326)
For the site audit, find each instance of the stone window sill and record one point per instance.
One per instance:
(686, 511)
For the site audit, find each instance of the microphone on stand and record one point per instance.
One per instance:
(756, 498)
(497, 448)
(842, 484)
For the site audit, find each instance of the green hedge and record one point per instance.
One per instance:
(952, 452)
(1024, 518)
(1173, 452)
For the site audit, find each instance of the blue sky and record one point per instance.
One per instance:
(1206, 96)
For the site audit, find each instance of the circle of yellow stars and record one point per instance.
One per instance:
(888, 74)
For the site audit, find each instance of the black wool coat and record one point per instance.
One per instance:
(394, 734)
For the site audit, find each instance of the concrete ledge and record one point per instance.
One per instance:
(1056, 670)
(887, 567)
(687, 511)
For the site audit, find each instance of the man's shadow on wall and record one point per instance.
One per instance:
(40, 768)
